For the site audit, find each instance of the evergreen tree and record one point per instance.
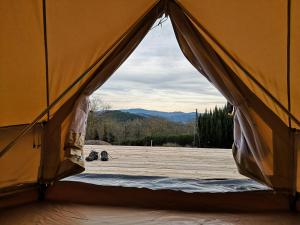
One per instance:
(215, 128)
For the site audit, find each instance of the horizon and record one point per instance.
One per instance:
(153, 110)
(149, 110)
(157, 76)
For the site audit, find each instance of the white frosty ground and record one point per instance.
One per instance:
(200, 163)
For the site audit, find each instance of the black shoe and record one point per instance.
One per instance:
(92, 156)
(104, 156)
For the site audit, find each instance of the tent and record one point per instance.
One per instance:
(54, 54)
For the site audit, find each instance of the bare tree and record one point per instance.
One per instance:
(97, 105)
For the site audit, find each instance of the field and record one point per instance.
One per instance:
(201, 163)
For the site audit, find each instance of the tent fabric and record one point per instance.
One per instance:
(253, 150)
(22, 80)
(20, 165)
(64, 50)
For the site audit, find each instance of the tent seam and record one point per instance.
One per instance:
(288, 52)
(46, 57)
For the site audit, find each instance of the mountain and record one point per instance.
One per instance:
(118, 115)
(171, 116)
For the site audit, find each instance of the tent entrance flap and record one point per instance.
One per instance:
(73, 124)
(253, 148)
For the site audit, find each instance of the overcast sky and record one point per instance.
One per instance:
(157, 76)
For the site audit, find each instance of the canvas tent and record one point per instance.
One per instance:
(54, 54)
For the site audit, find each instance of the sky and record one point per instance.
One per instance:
(157, 76)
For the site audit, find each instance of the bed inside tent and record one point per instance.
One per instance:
(54, 54)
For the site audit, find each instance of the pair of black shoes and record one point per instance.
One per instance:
(94, 156)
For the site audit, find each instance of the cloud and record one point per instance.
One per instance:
(158, 76)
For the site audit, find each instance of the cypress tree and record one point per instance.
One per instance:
(215, 128)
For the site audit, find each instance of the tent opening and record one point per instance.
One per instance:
(144, 118)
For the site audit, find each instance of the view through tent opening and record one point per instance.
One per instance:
(163, 125)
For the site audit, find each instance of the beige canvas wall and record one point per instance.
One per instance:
(21, 164)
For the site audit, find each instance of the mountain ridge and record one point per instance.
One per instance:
(176, 116)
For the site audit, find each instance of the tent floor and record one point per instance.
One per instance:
(69, 202)
(68, 213)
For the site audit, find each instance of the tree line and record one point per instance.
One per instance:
(120, 128)
(212, 129)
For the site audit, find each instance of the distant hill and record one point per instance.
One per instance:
(171, 116)
(125, 128)
(118, 115)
